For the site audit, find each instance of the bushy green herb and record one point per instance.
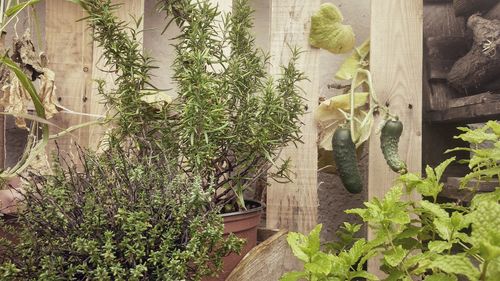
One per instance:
(230, 118)
(419, 239)
(122, 216)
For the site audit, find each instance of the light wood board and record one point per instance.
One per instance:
(396, 65)
(69, 49)
(294, 205)
(264, 262)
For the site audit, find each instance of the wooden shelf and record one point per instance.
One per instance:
(471, 109)
(452, 189)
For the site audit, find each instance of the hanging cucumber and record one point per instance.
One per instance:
(389, 140)
(344, 155)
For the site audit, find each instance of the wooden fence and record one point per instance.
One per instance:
(396, 64)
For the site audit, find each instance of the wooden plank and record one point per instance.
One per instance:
(475, 99)
(69, 49)
(128, 11)
(294, 205)
(264, 262)
(4, 73)
(396, 65)
(452, 190)
(474, 113)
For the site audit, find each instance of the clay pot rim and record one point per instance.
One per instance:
(249, 211)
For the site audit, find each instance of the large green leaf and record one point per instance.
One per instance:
(17, 8)
(456, 264)
(395, 256)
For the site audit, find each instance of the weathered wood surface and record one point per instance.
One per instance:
(440, 22)
(471, 109)
(69, 50)
(294, 205)
(452, 190)
(469, 7)
(4, 74)
(396, 65)
(264, 262)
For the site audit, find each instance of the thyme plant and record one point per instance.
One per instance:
(105, 221)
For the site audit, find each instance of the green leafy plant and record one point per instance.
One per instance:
(418, 239)
(354, 109)
(229, 119)
(103, 221)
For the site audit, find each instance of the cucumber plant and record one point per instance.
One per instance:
(354, 109)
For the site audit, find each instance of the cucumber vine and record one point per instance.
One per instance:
(356, 108)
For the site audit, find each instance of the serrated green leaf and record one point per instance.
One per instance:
(456, 264)
(395, 276)
(494, 126)
(476, 136)
(439, 170)
(293, 276)
(313, 241)
(395, 256)
(439, 246)
(486, 228)
(433, 209)
(440, 277)
(296, 241)
(443, 227)
(362, 274)
(357, 250)
(493, 270)
(321, 264)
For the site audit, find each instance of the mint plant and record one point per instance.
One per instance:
(419, 239)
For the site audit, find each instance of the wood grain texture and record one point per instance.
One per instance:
(294, 205)
(69, 49)
(128, 11)
(440, 22)
(396, 65)
(264, 262)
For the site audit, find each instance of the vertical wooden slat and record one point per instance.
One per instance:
(294, 205)
(2, 117)
(69, 49)
(396, 65)
(127, 11)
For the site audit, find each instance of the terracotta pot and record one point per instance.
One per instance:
(244, 225)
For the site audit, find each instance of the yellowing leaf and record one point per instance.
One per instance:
(328, 32)
(16, 100)
(354, 62)
(48, 93)
(344, 101)
(329, 109)
(363, 129)
(157, 99)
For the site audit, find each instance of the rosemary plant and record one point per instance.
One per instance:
(230, 118)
